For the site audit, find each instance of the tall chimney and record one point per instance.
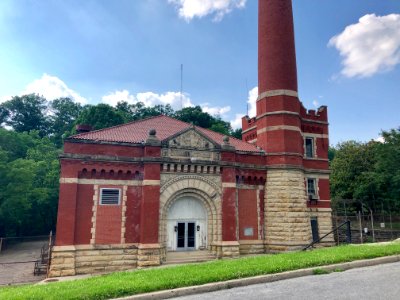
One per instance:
(278, 106)
(283, 125)
(276, 46)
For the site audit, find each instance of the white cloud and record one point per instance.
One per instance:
(172, 98)
(380, 139)
(252, 102)
(189, 9)
(215, 111)
(149, 99)
(117, 96)
(51, 87)
(175, 99)
(252, 107)
(237, 122)
(370, 46)
(5, 98)
(315, 103)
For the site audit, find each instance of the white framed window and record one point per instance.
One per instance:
(312, 188)
(309, 147)
(109, 196)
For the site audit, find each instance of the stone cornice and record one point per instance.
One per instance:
(274, 93)
(141, 160)
(249, 129)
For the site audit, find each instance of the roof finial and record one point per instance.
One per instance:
(152, 138)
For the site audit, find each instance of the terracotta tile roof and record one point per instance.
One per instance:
(137, 132)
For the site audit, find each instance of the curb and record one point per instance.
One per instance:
(216, 286)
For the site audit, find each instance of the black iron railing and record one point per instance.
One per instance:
(348, 234)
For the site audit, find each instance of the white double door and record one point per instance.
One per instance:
(187, 225)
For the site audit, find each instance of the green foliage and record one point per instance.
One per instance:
(29, 171)
(143, 281)
(139, 111)
(196, 116)
(331, 154)
(100, 116)
(368, 173)
(64, 114)
(25, 113)
(237, 133)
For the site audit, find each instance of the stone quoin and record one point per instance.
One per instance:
(131, 193)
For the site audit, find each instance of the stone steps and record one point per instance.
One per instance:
(188, 257)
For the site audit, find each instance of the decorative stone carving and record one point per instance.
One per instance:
(191, 145)
(191, 139)
(178, 178)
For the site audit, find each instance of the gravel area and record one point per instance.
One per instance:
(15, 263)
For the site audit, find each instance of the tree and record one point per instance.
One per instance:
(221, 127)
(237, 133)
(25, 113)
(388, 166)
(100, 116)
(29, 171)
(139, 111)
(64, 113)
(331, 154)
(353, 172)
(16, 145)
(196, 116)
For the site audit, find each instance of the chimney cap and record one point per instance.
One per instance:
(82, 128)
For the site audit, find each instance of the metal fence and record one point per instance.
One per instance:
(370, 227)
(7, 242)
(22, 258)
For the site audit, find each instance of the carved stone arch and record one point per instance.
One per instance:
(203, 190)
(190, 181)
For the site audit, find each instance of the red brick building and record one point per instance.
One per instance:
(131, 193)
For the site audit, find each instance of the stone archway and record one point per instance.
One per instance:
(194, 187)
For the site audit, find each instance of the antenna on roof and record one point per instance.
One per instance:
(247, 102)
(181, 86)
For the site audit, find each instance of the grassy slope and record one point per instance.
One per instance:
(141, 281)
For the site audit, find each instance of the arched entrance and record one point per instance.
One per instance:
(187, 225)
(199, 190)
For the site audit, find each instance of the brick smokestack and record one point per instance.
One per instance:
(278, 106)
(276, 46)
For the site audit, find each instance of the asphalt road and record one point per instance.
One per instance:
(377, 282)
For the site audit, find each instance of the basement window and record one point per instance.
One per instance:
(110, 196)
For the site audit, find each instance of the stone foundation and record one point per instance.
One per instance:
(92, 259)
(149, 255)
(225, 249)
(251, 247)
(287, 221)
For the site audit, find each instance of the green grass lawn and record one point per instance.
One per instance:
(142, 281)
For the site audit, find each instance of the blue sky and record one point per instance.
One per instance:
(348, 54)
